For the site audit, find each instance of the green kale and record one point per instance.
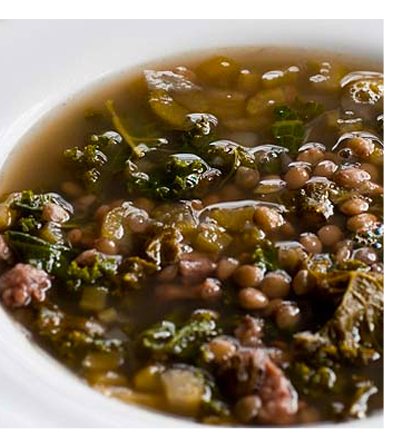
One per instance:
(29, 203)
(284, 112)
(311, 380)
(289, 133)
(289, 127)
(53, 258)
(72, 337)
(346, 396)
(227, 156)
(300, 110)
(184, 174)
(354, 331)
(99, 161)
(266, 257)
(166, 247)
(135, 270)
(27, 210)
(180, 176)
(201, 129)
(28, 224)
(102, 268)
(166, 338)
(308, 110)
(269, 158)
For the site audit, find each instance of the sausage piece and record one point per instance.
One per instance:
(22, 284)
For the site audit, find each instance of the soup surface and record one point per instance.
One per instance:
(206, 238)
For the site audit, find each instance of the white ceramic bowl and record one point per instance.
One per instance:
(46, 62)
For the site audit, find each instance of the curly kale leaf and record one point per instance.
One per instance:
(289, 127)
(354, 332)
(167, 338)
(227, 156)
(27, 208)
(180, 176)
(53, 258)
(30, 203)
(346, 395)
(201, 129)
(135, 270)
(97, 162)
(102, 268)
(299, 110)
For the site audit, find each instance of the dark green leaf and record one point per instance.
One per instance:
(53, 258)
(289, 133)
(184, 341)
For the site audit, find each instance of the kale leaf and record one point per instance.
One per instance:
(72, 337)
(134, 270)
(166, 247)
(227, 156)
(180, 176)
(354, 331)
(266, 257)
(53, 258)
(101, 268)
(289, 126)
(289, 133)
(97, 162)
(166, 338)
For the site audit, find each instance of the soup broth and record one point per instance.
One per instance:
(204, 237)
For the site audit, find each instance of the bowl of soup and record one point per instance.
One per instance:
(200, 236)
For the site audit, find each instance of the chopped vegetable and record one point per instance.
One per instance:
(354, 331)
(101, 269)
(185, 341)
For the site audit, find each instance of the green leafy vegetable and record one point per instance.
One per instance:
(117, 122)
(354, 331)
(134, 270)
(266, 257)
(289, 126)
(289, 133)
(100, 160)
(167, 338)
(29, 202)
(201, 130)
(166, 247)
(181, 176)
(52, 258)
(269, 158)
(228, 157)
(72, 337)
(102, 267)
